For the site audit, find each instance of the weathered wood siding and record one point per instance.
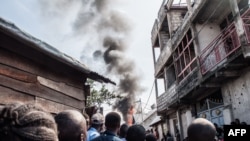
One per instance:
(22, 79)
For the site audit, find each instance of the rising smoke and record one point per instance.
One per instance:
(105, 31)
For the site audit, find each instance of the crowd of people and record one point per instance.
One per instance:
(30, 122)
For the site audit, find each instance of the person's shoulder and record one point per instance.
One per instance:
(115, 138)
(99, 138)
(107, 137)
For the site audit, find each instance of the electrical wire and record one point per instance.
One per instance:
(149, 95)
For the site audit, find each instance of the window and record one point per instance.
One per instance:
(184, 56)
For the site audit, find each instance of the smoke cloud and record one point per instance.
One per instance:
(105, 32)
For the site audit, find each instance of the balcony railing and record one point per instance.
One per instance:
(226, 43)
(246, 21)
(165, 100)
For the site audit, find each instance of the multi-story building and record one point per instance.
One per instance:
(201, 51)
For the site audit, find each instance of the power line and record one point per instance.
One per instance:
(149, 95)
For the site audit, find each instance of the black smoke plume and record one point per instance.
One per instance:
(105, 31)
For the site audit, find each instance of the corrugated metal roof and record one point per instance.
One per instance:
(40, 46)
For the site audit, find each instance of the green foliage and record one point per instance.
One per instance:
(99, 96)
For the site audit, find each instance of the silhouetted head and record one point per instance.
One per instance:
(237, 121)
(97, 121)
(136, 133)
(123, 130)
(113, 121)
(150, 137)
(243, 123)
(26, 122)
(201, 130)
(71, 126)
(233, 123)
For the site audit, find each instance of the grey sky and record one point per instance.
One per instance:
(39, 22)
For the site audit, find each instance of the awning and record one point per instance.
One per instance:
(155, 120)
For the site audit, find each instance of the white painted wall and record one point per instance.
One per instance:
(160, 132)
(237, 93)
(149, 118)
(206, 34)
(184, 123)
(227, 115)
(186, 120)
(171, 123)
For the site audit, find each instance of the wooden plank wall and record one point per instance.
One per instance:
(23, 80)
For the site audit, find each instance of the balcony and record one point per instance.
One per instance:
(163, 58)
(246, 21)
(188, 84)
(166, 99)
(162, 14)
(224, 46)
(154, 34)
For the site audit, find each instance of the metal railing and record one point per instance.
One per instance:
(246, 22)
(219, 49)
(186, 60)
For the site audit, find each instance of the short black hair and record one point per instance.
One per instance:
(136, 133)
(150, 137)
(123, 130)
(112, 120)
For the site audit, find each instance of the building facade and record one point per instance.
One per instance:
(33, 71)
(201, 51)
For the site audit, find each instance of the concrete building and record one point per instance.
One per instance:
(201, 51)
(33, 71)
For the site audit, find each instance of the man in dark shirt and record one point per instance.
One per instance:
(112, 123)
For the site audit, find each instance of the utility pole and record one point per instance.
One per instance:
(141, 112)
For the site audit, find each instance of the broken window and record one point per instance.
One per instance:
(184, 56)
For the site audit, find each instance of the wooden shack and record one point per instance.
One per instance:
(31, 70)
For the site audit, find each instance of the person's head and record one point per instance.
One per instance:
(71, 126)
(243, 123)
(136, 133)
(233, 123)
(26, 122)
(123, 130)
(201, 130)
(97, 121)
(150, 137)
(237, 121)
(113, 121)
